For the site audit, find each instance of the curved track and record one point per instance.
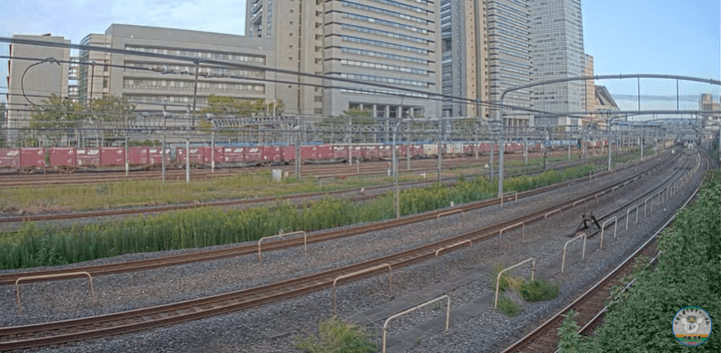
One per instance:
(130, 321)
(590, 304)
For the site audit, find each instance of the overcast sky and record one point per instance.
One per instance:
(624, 36)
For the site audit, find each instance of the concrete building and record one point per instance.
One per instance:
(380, 41)
(706, 103)
(172, 82)
(510, 57)
(40, 81)
(558, 53)
(464, 56)
(589, 86)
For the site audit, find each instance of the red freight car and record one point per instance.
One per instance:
(196, 156)
(209, 156)
(63, 159)
(9, 158)
(272, 154)
(88, 157)
(112, 156)
(155, 156)
(139, 155)
(32, 157)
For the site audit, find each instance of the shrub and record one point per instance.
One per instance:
(508, 307)
(337, 336)
(537, 290)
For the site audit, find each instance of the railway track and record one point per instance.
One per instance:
(242, 202)
(244, 249)
(141, 319)
(309, 170)
(591, 304)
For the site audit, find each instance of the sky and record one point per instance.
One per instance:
(624, 36)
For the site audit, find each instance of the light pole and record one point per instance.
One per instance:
(165, 133)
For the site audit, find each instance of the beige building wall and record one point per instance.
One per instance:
(385, 42)
(465, 69)
(171, 83)
(40, 81)
(590, 87)
(296, 30)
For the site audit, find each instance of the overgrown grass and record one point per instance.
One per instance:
(204, 227)
(508, 307)
(336, 336)
(538, 290)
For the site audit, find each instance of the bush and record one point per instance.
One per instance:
(537, 290)
(337, 336)
(508, 307)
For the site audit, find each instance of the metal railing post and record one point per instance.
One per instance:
(448, 316)
(563, 260)
(60, 275)
(498, 279)
(358, 273)
(305, 241)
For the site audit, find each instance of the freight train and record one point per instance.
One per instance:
(70, 159)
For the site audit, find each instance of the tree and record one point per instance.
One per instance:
(221, 105)
(58, 115)
(355, 116)
(111, 111)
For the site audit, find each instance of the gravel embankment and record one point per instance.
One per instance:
(249, 331)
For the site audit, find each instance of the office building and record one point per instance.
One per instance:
(387, 42)
(706, 103)
(39, 82)
(558, 52)
(464, 57)
(170, 82)
(510, 58)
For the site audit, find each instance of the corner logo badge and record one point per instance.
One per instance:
(692, 326)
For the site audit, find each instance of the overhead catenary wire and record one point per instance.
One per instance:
(198, 61)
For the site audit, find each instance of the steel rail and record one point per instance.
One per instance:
(548, 324)
(131, 321)
(174, 260)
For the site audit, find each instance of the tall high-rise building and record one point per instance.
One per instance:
(379, 41)
(510, 60)
(557, 28)
(589, 85)
(465, 55)
(39, 81)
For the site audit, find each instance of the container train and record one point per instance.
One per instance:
(70, 159)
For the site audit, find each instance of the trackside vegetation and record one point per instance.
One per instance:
(336, 336)
(203, 227)
(688, 273)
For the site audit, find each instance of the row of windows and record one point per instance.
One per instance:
(508, 52)
(191, 69)
(165, 99)
(384, 55)
(524, 25)
(520, 13)
(386, 12)
(524, 44)
(402, 6)
(513, 28)
(509, 69)
(201, 54)
(178, 85)
(514, 35)
(516, 77)
(383, 67)
(385, 93)
(384, 44)
(384, 33)
(384, 22)
(509, 62)
(512, 46)
(371, 78)
(515, 17)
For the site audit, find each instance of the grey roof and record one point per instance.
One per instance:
(604, 99)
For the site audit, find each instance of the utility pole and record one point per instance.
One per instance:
(440, 147)
(212, 144)
(297, 155)
(165, 125)
(187, 155)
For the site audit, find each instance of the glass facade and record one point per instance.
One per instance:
(558, 53)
